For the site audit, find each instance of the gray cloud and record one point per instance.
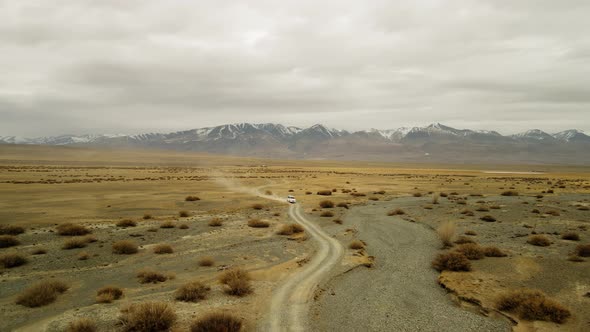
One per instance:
(78, 66)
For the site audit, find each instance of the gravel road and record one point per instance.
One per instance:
(400, 293)
(290, 303)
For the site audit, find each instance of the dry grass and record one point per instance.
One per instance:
(554, 213)
(11, 260)
(183, 226)
(471, 250)
(126, 223)
(41, 293)
(148, 316)
(417, 194)
(539, 240)
(356, 245)
(124, 247)
(215, 222)
(326, 204)
(184, 214)
(70, 229)
(74, 243)
(482, 209)
(108, 294)
(446, 233)
(470, 233)
(463, 240)
(572, 236)
(39, 251)
(83, 256)
(532, 305)
(583, 250)
(192, 198)
(8, 241)
(147, 216)
(167, 224)
(11, 230)
(509, 193)
(451, 261)
(206, 261)
(396, 212)
(342, 205)
(289, 229)
(488, 218)
(338, 221)
(325, 192)
(82, 325)
(193, 291)
(257, 223)
(493, 252)
(237, 282)
(257, 206)
(148, 276)
(326, 214)
(163, 248)
(217, 322)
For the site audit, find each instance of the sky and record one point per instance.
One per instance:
(134, 66)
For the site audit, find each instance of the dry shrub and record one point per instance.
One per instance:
(488, 218)
(539, 240)
(509, 193)
(535, 211)
(126, 223)
(147, 216)
(217, 322)
(8, 241)
(308, 193)
(82, 325)
(184, 214)
(532, 305)
(446, 232)
(325, 192)
(268, 193)
(289, 229)
(163, 249)
(215, 222)
(497, 207)
(39, 251)
(124, 247)
(471, 250)
(356, 245)
(471, 233)
(150, 276)
(257, 223)
(482, 209)
(193, 291)
(554, 213)
(183, 226)
(326, 214)
(108, 294)
(583, 250)
(572, 236)
(191, 198)
(493, 252)
(206, 261)
(338, 221)
(167, 224)
(74, 243)
(435, 199)
(237, 282)
(326, 204)
(417, 194)
(358, 194)
(583, 208)
(373, 198)
(396, 212)
(463, 240)
(443, 195)
(148, 316)
(11, 230)
(41, 293)
(12, 260)
(69, 229)
(342, 205)
(451, 261)
(257, 206)
(83, 256)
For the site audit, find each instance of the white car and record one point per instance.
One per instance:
(291, 199)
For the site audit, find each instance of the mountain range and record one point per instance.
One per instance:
(432, 143)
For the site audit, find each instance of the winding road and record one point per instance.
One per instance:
(290, 303)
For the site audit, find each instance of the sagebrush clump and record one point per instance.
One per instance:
(237, 282)
(452, 261)
(532, 305)
(217, 322)
(148, 316)
(41, 293)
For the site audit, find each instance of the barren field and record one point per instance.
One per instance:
(173, 229)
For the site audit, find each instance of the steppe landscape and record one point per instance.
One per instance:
(147, 240)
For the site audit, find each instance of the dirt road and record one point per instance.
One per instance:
(400, 293)
(290, 303)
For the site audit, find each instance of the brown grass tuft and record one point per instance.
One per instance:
(326, 214)
(206, 261)
(417, 194)
(488, 218)
(326, 204)
(163, 248)
(39, 251)
(148, 316)
(532, 305)
(451, 261)
(356, 245)
(83, 256)
(193, 291)
(463, 240)
(509, 193)
(217, 322)
(124, 247)
(8, 241)
(396, 212)
(11, 230)
(148, 276)
(583, 250)
(470, 233)
(11, 260)
(69, 229)
(572, 236)
(257, 206)
(184, 214)
(41, 293)
(215, 222)
(493, 252)
(82, 325)
(167, 224)
(471, 250)
(237, 282)
(192, 198)
(342, 205)
(108, 294)
(539, 240)
(147, 216)
(126, 223)
(257, 223)
(446, 232)
(325, 192)
(183, 226)
(338, 221)
(289, 229)
(75, 242)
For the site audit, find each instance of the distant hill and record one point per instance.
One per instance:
(433, 143)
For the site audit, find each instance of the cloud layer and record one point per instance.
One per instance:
(79, 66)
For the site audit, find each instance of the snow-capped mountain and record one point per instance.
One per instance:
(433, 142)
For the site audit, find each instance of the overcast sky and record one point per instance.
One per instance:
(130, 66)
